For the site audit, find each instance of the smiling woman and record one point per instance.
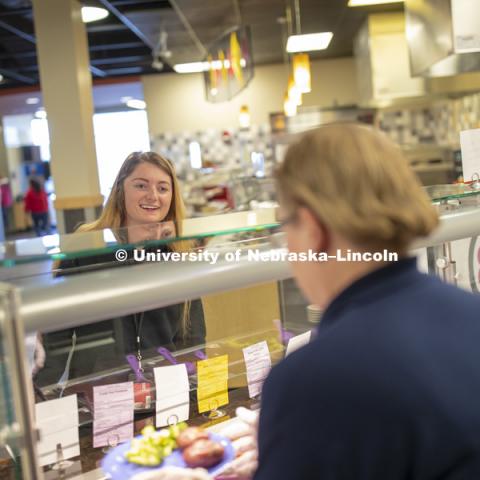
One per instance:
(144, 204)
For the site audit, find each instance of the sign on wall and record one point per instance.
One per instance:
(230, 65)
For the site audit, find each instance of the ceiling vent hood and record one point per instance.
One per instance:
(443, 36)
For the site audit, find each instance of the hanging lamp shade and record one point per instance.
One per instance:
(289, 107)
(294, 93)
(301, 72)
(244, 117)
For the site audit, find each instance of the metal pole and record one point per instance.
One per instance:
(21, 387)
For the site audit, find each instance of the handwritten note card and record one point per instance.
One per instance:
(113, 407)
(297, 342)
(172, 394)
(470, 143)
(212, 383)
(57, 421)
(258, 363)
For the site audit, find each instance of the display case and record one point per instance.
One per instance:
(104, 312)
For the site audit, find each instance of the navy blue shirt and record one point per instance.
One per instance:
(389, 389)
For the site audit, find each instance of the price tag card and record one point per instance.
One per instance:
(172, 394)
(212, 390)
(113, 407)
(470, 144)
(258, 363)
(57, 421)
(298, 342)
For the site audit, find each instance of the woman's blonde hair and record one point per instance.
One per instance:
(358, 183)
(114, 213)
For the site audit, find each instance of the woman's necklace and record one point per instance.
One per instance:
(138, 321)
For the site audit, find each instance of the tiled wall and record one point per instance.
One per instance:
(221, 148)
(438, 123)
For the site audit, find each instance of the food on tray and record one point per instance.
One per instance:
(154, 446)
(190, 435)
(197, 448)
(203, 453)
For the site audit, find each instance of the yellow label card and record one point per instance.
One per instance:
(212, 390)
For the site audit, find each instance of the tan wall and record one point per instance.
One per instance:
(177, 102)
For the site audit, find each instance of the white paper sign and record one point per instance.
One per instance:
(57, 421)
(297, 342)
(466, 25)
(172, 394)
(470, 144)
(258, 363)
(113, 407)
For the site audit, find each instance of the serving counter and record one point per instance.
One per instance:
(97, 314)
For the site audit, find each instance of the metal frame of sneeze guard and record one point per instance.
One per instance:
(21, 434)
(453, 226)
(123, 291)
(71, 301)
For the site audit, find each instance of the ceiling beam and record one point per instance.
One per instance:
(189, 28)
(30, 38)
(19, 11)
(142, 3)
(116, 46)
(133, 61)
(127, 22)
(109, 27)
(17, 76)
(124, 70)
(114, 60)
(16, 31)
(4, 56)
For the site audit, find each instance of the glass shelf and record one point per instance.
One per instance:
(83, 244)
(241, 225)
(442, 193)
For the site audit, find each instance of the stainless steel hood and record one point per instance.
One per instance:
(443, 36)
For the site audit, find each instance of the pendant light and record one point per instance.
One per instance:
(289, 107)
(294, 93)
(301, 61)
(301, 72)
(244, 117)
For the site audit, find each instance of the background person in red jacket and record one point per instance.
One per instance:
(37, 204)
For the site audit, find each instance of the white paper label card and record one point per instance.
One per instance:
(298, 341)
(466, 26)
(57, 421)
(470, 144)
(113, 407)
(258, 363)
(172, 394)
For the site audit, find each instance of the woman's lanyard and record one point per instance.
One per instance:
(138, 330)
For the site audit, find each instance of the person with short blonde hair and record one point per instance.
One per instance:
(389, 388)
(358, 183)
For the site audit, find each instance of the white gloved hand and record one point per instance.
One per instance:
(174, 473)
(243, 434)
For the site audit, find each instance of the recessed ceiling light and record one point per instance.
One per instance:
(1, 77)
(198, 67)
(41, 113)
(135, 103)
(32, 101)
(92, 14)
(309, 42)
(193, 67)
(363, 3)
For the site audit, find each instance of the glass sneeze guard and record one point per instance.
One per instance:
(83, 244)
(459, 191)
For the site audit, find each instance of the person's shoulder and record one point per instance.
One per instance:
(445, 293)
(296, 369)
